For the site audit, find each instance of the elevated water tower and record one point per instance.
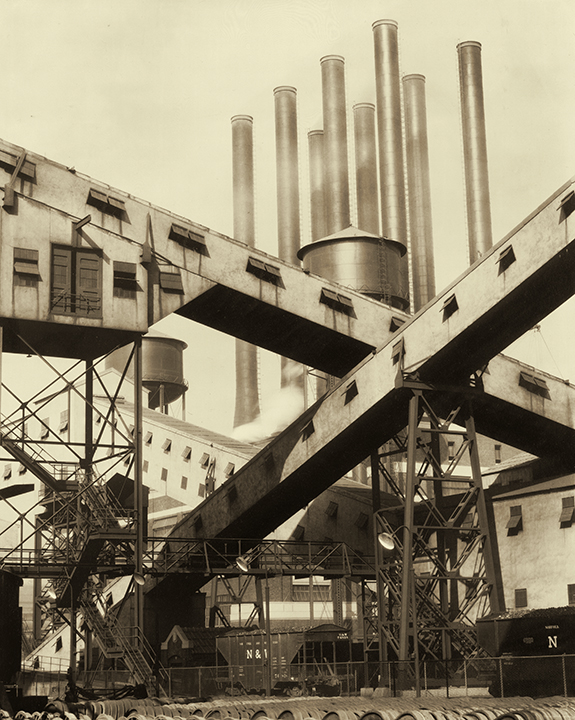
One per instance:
(162, 369)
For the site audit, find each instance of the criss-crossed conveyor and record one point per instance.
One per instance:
(520, 281)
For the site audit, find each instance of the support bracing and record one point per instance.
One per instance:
(436, 551)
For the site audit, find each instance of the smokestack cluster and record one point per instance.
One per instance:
(390, 149)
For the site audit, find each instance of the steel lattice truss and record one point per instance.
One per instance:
(442, 572)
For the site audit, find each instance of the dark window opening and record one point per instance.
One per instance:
(331, 509)
(189, 239)
(107, 204)
(171, 279)
(265, 271)
(567, 205)
(350, 392)
(449, 307)
(164, 475)
(337, 301)
(187, 454)
(184, 483)
(76, 282)
(515, 522)
(506, 258)
(497, 451)
(125, 282)
(26, 270)
(534, 385)
(521, 598)
(567, 511)
(395, 324)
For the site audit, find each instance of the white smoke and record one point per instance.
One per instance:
(283, 407)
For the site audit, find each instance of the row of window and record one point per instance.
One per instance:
(77, 279)
(521, 596)
(566, 518)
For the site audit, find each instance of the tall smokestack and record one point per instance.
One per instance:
(316, 184)
(366, 167)
(388, 96)
(287, 173)
(474, 149)
(335, 143)
(247, 399)
(417, 153)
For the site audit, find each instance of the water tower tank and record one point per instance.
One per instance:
(361, 261)
(162, 367)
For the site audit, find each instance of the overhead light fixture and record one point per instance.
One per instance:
(387, 542)
(139, 579)
(242, 563)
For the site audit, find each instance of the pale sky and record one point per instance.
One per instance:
(139, 94)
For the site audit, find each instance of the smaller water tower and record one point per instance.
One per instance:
(162, 369)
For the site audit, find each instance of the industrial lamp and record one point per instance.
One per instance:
(243, 563)
(139, 579)
(387, 542)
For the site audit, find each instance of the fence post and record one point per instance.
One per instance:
(564, 675)
(501, 691)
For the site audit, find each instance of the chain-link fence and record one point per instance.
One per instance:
(542, 676)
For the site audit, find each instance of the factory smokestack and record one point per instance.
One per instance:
(316, 184)
(336, 181)
(417, 153)
(366, 167)
(289, 232)
(388, 96)
(474, 150)
(247, 406)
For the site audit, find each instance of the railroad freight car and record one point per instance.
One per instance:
(300, 662)
(537, 648)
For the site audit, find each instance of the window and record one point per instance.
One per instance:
(171, 279)
(189, 239)
(63, 421)
(148, 438)
(201, 490)
(7, 471)
(107, 204)
(204, 461)
(567, 511)
(164, 475)
(125, 282)
(58, 645)
(44, 428)
(21, 469)
(331, 509)
(184, 482)
(76, 282)
(521, 598)
(298, 533)
(337, 301)
(497, 451)
(351, 391)
(229, 469)
(450, 450)
(449, 307)
(506, 259)
(187, 454)
(515, 522)
(145, 466)
(307, 431)
(265, 271)
(167, 446)
(26, 271)
(571, 594)
(534, 385)
(361, 520)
